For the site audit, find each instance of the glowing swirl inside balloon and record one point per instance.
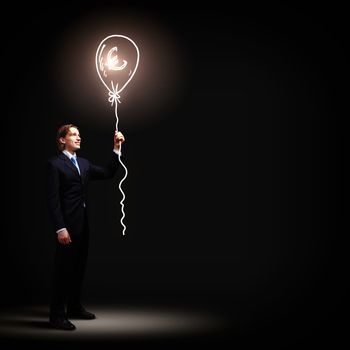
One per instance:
(113, 61)
(117, 59)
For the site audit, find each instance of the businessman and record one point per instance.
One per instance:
(67, 180)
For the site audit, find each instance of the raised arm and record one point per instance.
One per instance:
(108, 171)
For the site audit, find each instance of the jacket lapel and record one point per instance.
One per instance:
(81, 167)
(69, 163)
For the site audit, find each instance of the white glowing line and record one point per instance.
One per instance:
(113, 94)
(112, 61)
(126, 172)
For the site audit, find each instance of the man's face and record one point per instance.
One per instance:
(72, 140)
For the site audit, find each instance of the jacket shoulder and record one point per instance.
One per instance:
(54, 160)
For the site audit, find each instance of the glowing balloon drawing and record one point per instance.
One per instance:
(117, 59)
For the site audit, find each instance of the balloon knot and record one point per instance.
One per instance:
(113, 97)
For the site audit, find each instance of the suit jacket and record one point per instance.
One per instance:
(67, 190)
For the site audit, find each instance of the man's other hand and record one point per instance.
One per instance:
(64, 237)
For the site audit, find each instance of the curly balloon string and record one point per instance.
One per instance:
(116, 99)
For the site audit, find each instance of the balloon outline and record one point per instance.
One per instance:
(136, 65)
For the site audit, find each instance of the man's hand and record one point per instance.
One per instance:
(118, 140)
(64, 237)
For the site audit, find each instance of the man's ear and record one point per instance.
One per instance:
(62, 140)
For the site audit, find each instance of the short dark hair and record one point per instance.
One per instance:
(62, 132)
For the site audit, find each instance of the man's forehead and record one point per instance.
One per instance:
(73, 131)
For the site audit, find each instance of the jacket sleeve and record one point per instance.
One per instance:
(106, 172)
(53, 196)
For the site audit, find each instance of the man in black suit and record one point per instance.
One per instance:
(67, 180)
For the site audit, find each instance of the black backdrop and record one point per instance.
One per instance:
(233, 147)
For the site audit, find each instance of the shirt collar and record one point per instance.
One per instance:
(69, 155)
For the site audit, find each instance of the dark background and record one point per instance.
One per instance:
(234, 152)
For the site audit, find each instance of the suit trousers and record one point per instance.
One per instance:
(68, 273)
